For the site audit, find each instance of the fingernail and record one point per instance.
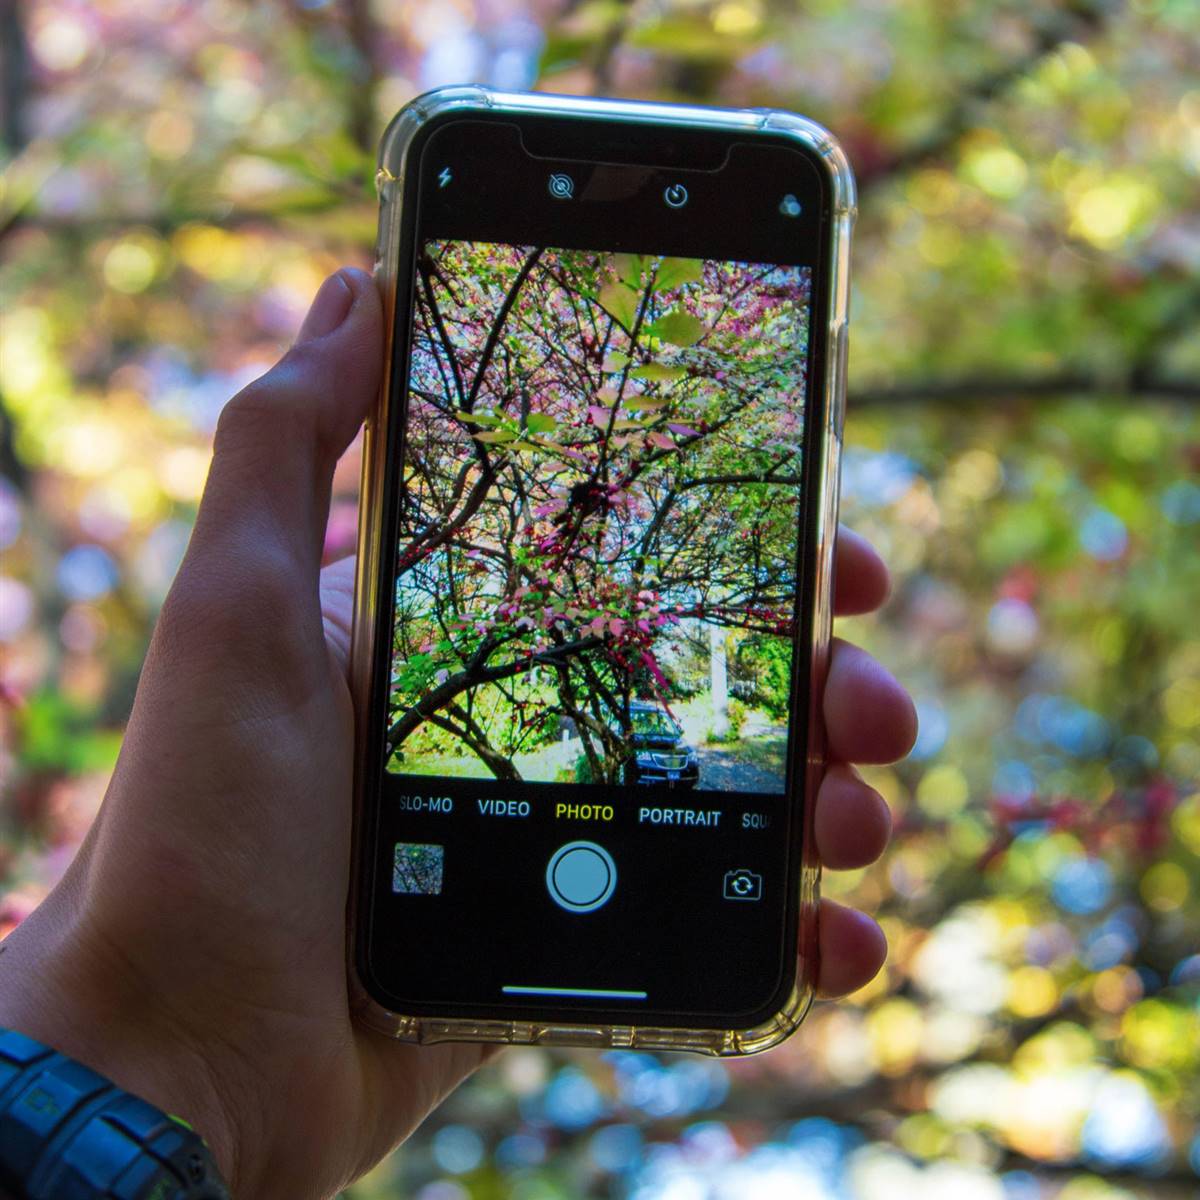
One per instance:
(328, 310)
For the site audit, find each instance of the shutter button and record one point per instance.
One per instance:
(581, 876)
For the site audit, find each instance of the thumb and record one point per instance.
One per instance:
(245, 600)
(278, 440)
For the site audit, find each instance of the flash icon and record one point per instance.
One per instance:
(444, 177)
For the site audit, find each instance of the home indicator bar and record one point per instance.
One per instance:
(598, 993)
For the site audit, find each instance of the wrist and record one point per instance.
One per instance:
(66, 1130)
(61, 985)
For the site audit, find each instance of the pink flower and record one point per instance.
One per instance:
(652, 666)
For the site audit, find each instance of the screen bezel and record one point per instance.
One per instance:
(649, 142)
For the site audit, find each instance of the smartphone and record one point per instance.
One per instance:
(594, 578)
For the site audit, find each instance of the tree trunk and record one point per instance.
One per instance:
(719, 680)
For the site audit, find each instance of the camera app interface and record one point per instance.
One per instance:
(587, 749)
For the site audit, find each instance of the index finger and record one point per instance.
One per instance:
(861, 581)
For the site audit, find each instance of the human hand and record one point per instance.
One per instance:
(195, 950)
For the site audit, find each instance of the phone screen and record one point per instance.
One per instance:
(593, 727)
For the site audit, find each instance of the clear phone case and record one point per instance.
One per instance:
(390, 178)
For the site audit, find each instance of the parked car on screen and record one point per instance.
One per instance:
(660, 755)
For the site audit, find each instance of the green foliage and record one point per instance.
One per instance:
(675, 272)
(766, 665)
(620, 301)
(57, 734)
(678, 328)
(737, 717)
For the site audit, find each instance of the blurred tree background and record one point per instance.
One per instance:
(1023, 445)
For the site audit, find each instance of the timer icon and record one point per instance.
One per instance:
(675, 196)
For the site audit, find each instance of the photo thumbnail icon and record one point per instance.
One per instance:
(417, 869)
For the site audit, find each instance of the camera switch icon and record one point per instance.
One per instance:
(743, 885)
